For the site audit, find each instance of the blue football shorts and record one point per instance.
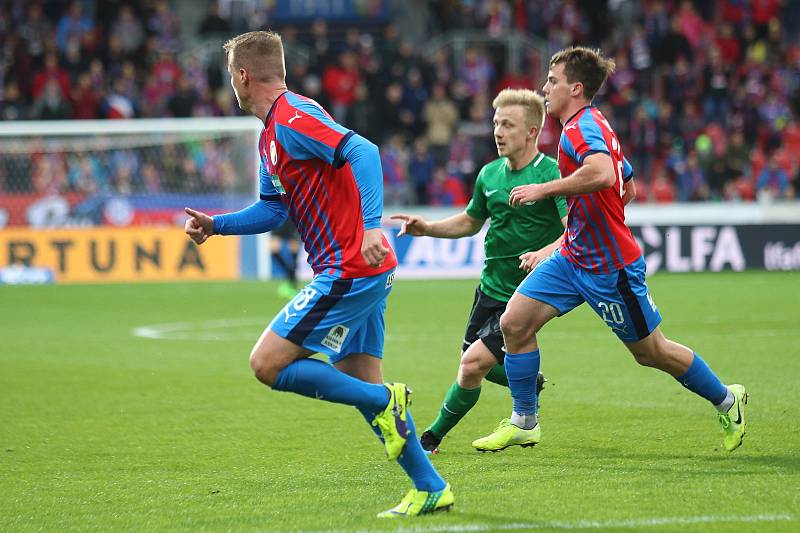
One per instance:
(620, 298)
(337, 316)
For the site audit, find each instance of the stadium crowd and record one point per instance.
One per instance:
(706, 95)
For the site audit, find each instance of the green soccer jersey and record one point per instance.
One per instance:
(514, 230)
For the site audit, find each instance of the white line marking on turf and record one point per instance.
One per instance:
(579, 524)
(207, 330)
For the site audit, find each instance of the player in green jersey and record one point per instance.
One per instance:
(516, 241)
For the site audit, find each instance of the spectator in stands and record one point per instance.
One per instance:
(415, 95)
(51, 71)
(662, 191)
(210, 161)
(716, 82)
(182, 102)
(441, 68)
(167, 72)
(51, 104)
(394, 160)
(441, 116)
(421, 167)
(85, 98)
(460, 96)
(737, 157)
(165, 25)
(129, 30)
(11, 106)
(692, 182)
(73, 25)
(643, 141)
(85, 174)
(117, 104)
(393, 118)
(477, 71)
(339, 81)
(362, 115)
(773, 182)
(446, 189)
(213, 23)
(35, 30)
(319, 44)
(151, 179)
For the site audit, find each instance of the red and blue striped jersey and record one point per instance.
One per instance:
(597, 238)
(301, 160)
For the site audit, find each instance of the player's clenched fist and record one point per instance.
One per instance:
(199, 227)
(412, 225)
(372, 247)
(526, 194)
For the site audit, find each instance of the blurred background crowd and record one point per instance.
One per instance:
(705, 98)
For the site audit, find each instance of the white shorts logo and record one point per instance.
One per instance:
(336, 337)
(390, 279)
(299, 302)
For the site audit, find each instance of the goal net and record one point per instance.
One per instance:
(110, 194)
(124, 172)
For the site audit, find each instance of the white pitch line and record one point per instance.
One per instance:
(205, 330)
(579, 524)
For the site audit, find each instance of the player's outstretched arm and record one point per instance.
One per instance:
(260, 217)
(454, 227)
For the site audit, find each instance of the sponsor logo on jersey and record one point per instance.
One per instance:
(273, 152)
(336, 337)
(276, 182)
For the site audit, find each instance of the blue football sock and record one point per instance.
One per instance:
(316, 379)
(521, 370)
(413, 459)
(701, 380)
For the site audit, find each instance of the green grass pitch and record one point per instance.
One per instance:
(103, 430)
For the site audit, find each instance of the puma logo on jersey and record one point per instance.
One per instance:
(572, 126)
(295, 117)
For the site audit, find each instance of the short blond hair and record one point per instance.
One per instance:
(531, 103)
(258, 52)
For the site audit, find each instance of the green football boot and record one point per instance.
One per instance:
(419, 502)
(733, 421)
(507, 434)
(393, 421)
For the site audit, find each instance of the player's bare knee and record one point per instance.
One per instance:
(470, 370)
(263, 367)
(514, 326)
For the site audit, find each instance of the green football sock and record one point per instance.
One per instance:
(456, 404)
(498, 375)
